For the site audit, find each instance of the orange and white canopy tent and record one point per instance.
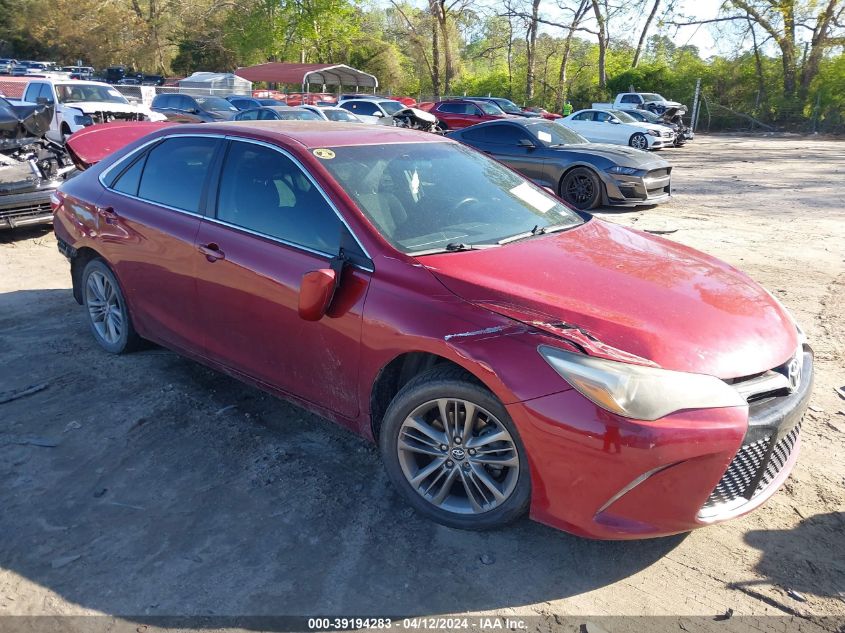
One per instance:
(304, 75)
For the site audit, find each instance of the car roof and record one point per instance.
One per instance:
(314, 134)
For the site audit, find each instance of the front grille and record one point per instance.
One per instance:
(28, 210)
(658, 173)
(753, 463)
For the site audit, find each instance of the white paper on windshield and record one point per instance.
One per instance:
(114, 93)
(527, 193)
(415, 185)
(545, 137)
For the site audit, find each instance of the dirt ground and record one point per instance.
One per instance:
(147, 485)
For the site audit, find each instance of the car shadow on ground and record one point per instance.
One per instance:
(807, 558)
(147, 485)
(10, 236)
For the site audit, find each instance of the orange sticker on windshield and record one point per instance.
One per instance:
(325, 154)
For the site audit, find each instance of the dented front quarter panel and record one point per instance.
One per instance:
(409, 310)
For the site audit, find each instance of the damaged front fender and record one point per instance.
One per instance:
(577, 336)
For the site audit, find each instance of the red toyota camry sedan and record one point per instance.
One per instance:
(506, 353)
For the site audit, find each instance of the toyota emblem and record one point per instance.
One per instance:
(793, 373)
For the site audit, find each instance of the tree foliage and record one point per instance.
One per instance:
(788, 67)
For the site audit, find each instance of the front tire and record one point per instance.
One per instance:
(638, 141)
(108, 316)
(581, 188)
(451, 449)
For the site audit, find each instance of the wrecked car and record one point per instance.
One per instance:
(31, 166)
(672, 117)
(505, 352)
(78, 104)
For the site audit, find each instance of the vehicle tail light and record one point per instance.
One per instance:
(56, 199)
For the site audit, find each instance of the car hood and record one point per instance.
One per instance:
(90, 107)
(618, 154)
(632, 292)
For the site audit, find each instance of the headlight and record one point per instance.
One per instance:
(654, 132)
(83, 119)
(618, 169)
(635, 391)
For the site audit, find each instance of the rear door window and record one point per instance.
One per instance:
(176, 171)
(506, 135)
(264, 191)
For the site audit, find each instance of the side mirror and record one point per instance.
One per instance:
(614, 121)
(41, 100)
(378, 114)
(316, 293)
(524, 142)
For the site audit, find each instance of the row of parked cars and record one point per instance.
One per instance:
(580, 157)
(505, 352)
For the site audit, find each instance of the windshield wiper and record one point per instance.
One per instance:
(452, 247)
(461, 246)
(537, 230)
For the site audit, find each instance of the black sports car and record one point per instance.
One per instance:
(584, 174)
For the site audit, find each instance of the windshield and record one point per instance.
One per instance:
(508, 106)
(651, 96)
(339, 114)
(554, 134)
(489, 108)
(391, 107)
(424, 196)
(215, 104)
(623, 116)
(75, 93)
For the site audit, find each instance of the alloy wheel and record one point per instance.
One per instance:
(639, 141)
(580, 188)
(458, 456)
(104, 307)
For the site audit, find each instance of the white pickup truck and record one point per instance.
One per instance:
(640, 101)
(78, 104)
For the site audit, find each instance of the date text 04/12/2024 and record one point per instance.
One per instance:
(485, 623)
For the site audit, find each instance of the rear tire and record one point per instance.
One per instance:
(106, 310)
(456, 473)
(581, 188)
(638, 141)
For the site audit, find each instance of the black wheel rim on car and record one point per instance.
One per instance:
(458, 456)
(580, 189)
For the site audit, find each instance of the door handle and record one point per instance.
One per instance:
(212, 252)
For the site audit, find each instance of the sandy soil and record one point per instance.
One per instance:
(147, 485)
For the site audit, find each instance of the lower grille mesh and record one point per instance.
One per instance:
(747, 465)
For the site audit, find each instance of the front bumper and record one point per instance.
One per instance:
(599, 475)
(654, 187)
(26, 209)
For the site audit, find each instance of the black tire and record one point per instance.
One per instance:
(126, 338)
(452, 382)
(638, 141)
(441, 125)
(581, 188)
